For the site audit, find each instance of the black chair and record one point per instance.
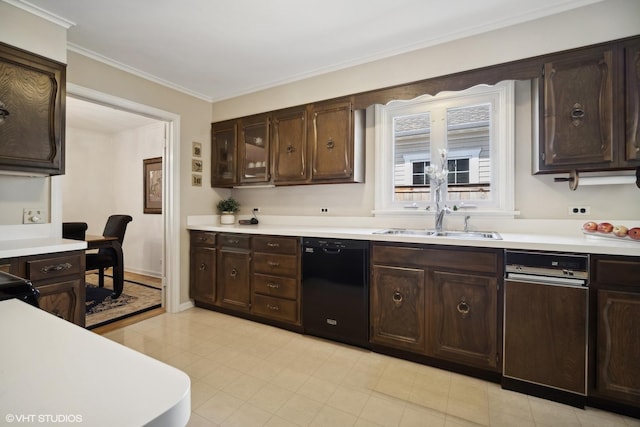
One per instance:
(74, 230)
(107, 257)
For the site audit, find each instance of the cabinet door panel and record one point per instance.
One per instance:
(290, 146)
(203, 274)
(234, 289)
(632, 95)
(224, 156)
(64, 299)
(397, 308)
(618, 356)
(32, 97)
(332, 142)
(463, 319)
(578, 112)
(254, 149)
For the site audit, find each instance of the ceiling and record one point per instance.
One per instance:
(93, 117)
(216, 49)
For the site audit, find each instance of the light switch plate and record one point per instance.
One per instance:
(34, 216)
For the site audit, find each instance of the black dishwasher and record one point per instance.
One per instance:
(335, 289)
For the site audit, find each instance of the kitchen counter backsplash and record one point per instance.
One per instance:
(550, 235)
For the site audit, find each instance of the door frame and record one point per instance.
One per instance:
(171, 184)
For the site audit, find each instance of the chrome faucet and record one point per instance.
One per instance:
(441, 209)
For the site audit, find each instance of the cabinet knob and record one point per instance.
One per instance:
(397, 297)
(203, 266)
(330, 144)
(290, 149)
(234, 273)
(577, 114)
(3, 112)
(463, 308)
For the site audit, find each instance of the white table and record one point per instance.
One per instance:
(53, 372)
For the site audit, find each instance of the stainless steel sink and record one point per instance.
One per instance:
(470, 234)
(430, 233)
(405, 232)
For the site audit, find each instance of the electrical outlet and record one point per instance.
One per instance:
(256, 210)
(34, 216)
(324, 210)
(580, 210)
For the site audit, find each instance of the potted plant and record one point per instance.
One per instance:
(227, 209)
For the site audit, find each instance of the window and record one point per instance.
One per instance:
(475, 126)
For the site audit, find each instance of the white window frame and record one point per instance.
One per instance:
(501, 98)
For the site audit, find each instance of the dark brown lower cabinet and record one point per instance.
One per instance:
(443, 303)
(59, 277)
(618, 367)
(463, 326)
(234, 286)
(397, 307)
(615, 346)
(203, 274)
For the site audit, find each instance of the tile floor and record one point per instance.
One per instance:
(247, 374)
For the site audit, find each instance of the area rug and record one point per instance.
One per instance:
(102, 309)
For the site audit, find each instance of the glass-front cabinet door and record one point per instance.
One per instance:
(223, 154)
(254, 149)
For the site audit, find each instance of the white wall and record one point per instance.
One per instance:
(104, 177)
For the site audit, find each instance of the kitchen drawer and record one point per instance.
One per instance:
(234, 241)
(396, 255)
(276, 264)
(54, 267)
(276, 308)
(617, 271)
(276, 286)
(282, 245)
(203, 238)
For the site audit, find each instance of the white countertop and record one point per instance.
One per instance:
(44, 245)
(575, 242)
(52, 368)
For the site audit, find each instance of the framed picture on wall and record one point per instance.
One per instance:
(152, 169)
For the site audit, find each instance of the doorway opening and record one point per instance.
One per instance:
(146, 244)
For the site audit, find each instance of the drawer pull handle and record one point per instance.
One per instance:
(234, 273)
(233, 241)
(463, 308)
(57, 267)
(273, 307)
(203, 238)
(397, 297)
(203, 266)
(273, 263)
(273, 245)
(273, 285)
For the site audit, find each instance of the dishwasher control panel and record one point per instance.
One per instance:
(550, 264)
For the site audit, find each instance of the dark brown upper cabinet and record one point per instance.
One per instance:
(319, 143)
(336, 142)
(32, 112)
(578, 118)
(590, 109)
(224, 156)
(254, 149)
(632, 98)
(289, 130)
